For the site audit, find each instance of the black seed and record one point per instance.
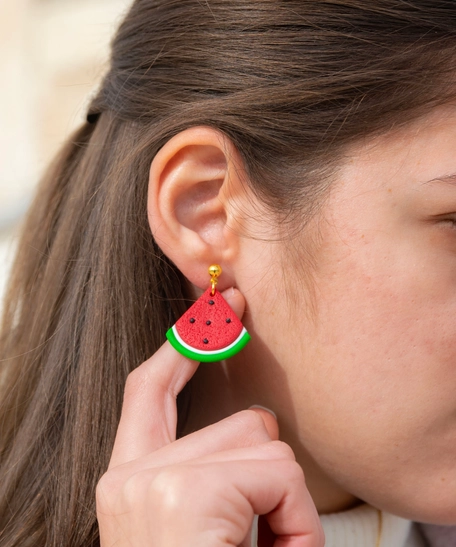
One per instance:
(208, 322)
(228, 320)
(211, 302)
(192, 320)
(206, 341)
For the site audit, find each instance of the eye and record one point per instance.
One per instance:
(448, 222)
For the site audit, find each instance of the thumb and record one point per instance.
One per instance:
(269, 419)
(235, 300)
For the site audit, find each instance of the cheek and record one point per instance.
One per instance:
(379, 389)
(388, 326)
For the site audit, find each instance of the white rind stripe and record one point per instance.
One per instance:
(202, 351)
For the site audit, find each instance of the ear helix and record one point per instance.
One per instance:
(209, 330)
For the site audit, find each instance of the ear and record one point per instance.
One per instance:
(194, 183)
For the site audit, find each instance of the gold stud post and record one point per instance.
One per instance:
(214, 271)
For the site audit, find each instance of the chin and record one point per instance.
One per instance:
(443, 516)
(438, 507)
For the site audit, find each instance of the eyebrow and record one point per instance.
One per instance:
(446, 179)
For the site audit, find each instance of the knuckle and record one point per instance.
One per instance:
(321, 540)
(176, 480)
(143, 382)
(251, 420)
(172, 486)
(138, 381)
(105, 490)
(292, 471)
(133, 487)
(282, 450)
(135, 380)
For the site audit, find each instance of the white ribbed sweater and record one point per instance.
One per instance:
(358, 527)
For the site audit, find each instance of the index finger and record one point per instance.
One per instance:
(149, 413)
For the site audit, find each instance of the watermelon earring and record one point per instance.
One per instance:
(209, 330)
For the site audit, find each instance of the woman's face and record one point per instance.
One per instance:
(363, 373)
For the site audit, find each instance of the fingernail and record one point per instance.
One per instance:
(264, 408)
(228, 292)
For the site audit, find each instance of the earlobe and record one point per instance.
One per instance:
(192, 179)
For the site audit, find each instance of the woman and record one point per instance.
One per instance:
(308, 148)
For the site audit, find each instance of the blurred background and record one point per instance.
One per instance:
(53, 54)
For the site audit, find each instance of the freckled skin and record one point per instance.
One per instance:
(365, 389)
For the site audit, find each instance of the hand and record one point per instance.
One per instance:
(204, 489)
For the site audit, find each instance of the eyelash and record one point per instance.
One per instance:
(450, 222)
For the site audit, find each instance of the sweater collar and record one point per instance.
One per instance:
(359, 527)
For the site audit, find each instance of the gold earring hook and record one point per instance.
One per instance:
(214, 271)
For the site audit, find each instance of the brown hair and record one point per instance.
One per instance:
(291, 83)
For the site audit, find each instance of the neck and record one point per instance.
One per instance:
(219, 390)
